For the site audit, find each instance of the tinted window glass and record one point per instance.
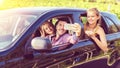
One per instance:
(113, 27)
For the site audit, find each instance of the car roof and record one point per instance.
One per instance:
(40, 9)
(106, 13)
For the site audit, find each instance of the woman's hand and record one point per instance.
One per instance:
(42, 32)
(90, 33)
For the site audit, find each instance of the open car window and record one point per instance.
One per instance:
(53, 20)
(83, 18)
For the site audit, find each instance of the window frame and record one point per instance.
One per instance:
(111, 25)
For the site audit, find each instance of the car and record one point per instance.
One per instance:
(19, 26)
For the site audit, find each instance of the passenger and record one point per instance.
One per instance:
(62, 36)
(94, 30)
(47, 29)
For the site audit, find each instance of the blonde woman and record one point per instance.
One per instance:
(47, 29)
(93, 30)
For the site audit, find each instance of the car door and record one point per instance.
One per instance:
(12, 55)
(95, 56)
(113, 36)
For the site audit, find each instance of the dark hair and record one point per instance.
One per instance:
(62, 19)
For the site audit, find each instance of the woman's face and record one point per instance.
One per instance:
(60, 27)
(48, 29)
(92, 17)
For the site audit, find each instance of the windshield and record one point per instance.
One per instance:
(12, 25)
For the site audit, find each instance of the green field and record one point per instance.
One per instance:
(102, 5)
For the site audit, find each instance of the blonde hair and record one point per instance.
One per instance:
(49, 23)
(94, 10)
(97, 13)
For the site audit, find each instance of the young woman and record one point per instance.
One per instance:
(94, 30)
(47, 29)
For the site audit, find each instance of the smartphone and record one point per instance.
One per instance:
(68, 26)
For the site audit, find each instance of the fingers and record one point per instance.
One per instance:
(73, 27)
(90, 33)
(77, 29)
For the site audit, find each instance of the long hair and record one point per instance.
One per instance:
(47, 22)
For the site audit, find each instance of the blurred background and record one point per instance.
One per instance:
(103, 5)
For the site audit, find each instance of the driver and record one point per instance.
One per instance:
(62, 36)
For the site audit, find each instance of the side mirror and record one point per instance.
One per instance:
(41, 44)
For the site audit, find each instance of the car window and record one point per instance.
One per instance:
(113, 27)
(12, 26)
(84, 19)
(53, 21)
(102, 23)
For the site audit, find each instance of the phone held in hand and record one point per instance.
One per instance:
(68, 26)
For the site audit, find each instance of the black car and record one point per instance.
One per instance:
(18, 25)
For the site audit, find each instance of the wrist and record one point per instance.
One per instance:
(93, 37)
